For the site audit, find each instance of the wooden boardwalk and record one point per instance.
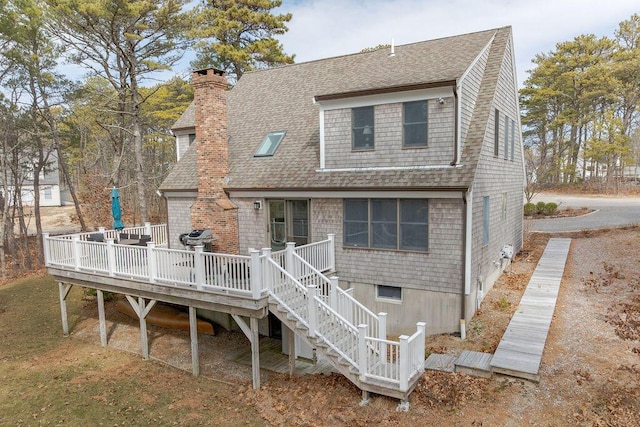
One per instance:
(520, 350)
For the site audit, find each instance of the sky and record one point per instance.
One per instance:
(326, 28)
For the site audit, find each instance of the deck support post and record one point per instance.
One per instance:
(193, 329)
(64, 289)
(251, 332)
(103, 326)
(292, 350)
(366, 398)
(142, 309)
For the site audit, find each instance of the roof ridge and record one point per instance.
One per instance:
(347, 55)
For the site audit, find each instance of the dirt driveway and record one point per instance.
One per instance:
(590, 368)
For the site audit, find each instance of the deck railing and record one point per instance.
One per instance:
(302, 290)
(290, 277)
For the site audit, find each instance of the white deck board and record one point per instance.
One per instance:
(520, 350)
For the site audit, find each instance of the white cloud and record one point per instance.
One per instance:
(325, 28)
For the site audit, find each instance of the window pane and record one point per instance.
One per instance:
(415, 112)
(391, 292)
(363, 128)
(496, 133)
(384, 224)
(506, 137)
(356, 222)
(415, 124)
(356, 209)
(413, 210)
(414, 225)
(269, 144)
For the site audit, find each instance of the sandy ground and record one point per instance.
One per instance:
(590, 369)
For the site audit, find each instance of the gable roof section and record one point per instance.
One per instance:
(283, 99)
(184, 175)
(187, 119)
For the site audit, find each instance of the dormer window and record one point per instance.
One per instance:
(270, 144)
(362, 128)
(414, 124)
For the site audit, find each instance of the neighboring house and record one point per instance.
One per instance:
(50, 192)
(412, 156)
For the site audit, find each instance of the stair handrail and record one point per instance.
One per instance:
(364, 316)
(269, 266)
(323, 333)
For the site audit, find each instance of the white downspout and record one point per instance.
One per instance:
(468, 243)
(467, 260)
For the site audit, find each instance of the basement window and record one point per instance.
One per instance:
(270, 144)
(393, 293)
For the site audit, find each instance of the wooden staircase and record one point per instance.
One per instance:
(333, 323)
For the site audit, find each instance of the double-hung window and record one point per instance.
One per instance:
(396, 224)
(362, 128)
(414, 123)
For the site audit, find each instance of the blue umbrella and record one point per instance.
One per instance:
(116, 210)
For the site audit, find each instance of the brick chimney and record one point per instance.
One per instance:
(213, 209)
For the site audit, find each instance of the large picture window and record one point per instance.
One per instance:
(414, 122)
(362, 128)
(397, 224)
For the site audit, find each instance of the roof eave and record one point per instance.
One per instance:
(383, 90)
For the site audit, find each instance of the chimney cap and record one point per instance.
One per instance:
(205, 71)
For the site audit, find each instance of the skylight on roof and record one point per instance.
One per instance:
(270, 144)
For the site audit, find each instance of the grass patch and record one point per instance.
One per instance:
(47, 379)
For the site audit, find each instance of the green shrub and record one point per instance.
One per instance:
(550, 208)
(530, 209)
(540, 206)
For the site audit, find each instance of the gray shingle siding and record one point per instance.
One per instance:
(179, 220)
(388, 151)
(496, 176)
(438, 270)
(252, 224)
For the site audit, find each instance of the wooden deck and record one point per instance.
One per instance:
(520, 351)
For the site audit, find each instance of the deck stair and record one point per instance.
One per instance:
(340, 329)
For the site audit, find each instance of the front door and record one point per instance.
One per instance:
(288, 222)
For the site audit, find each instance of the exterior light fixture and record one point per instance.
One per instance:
(257, 205)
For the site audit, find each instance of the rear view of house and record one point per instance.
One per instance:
(410, 156)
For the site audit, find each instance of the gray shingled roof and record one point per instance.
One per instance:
(282, 99)
(187, 119)
(183, 176)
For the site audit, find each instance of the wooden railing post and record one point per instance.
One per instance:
(404, 362)
(45, 247)
(332, 252)
(362, 351)
(267, 277)
(333, 294)
(289, 264)
(312, 293)
(382, 334)
(198, 266)
(147, 228)
(75, 241)
(111, 258)
(151, 261)
(255, 274)
(421, 326)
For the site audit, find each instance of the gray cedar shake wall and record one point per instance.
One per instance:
(388, 138)
(438, 270)
(496, 176)
(180, 218)
(252, 224)
(469, 93)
